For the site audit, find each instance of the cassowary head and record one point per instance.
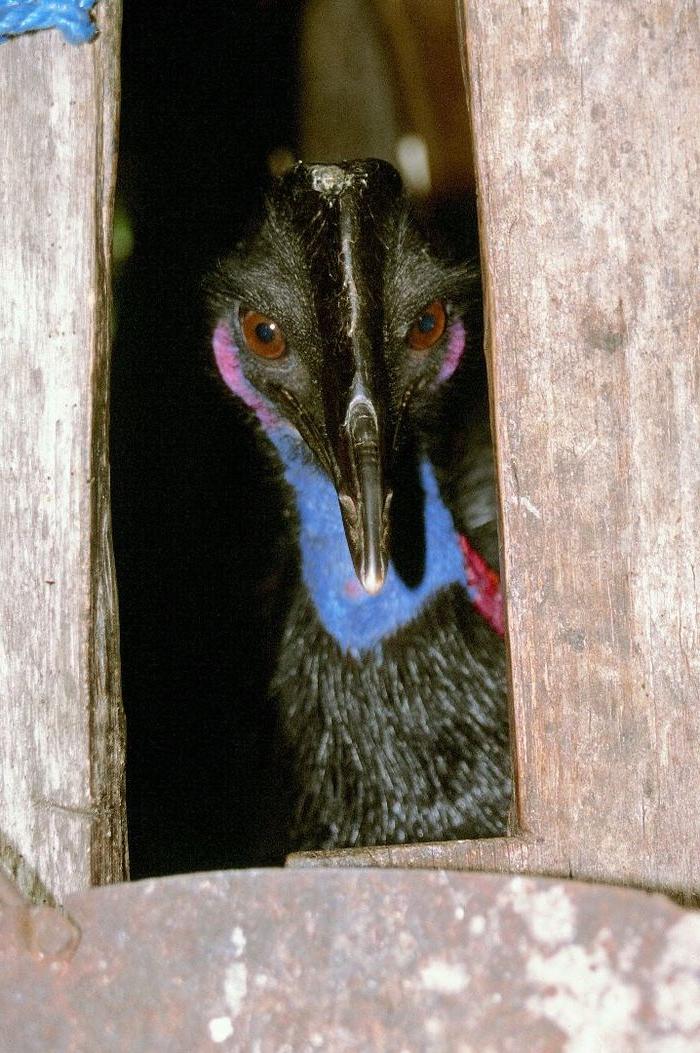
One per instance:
(335, 325)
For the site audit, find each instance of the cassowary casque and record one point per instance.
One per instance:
(351, 344)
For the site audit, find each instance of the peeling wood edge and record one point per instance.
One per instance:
(512, 854)
(109, 851)
(516, 823)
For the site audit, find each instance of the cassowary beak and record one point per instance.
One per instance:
(363, 496)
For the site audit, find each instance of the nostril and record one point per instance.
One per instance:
(349, 507)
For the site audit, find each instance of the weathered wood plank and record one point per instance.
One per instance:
(61, 733)
(586, 120)
(586, 127)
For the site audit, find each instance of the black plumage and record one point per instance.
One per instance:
(344, 333)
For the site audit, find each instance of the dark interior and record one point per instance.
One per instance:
(210, 91)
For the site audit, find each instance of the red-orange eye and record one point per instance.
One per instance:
(428, 327)
(262, 335)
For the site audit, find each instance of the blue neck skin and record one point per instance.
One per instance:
(358, 621)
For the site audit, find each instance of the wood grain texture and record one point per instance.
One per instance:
(586, 120)
(62, 822)
(586, 126)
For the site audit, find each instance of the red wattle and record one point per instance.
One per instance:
(483, 586)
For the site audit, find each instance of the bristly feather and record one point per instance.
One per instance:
(398, 735)
(409, 744)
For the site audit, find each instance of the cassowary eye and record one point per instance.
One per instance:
(262, 335)
(428, 327)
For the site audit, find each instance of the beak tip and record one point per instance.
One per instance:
(372, 580)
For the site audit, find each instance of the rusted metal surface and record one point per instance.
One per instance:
(299, 961)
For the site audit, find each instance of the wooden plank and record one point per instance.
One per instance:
(587, 139)
(61, 733)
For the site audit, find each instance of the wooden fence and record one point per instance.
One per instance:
(587, 139)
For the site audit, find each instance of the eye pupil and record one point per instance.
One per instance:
(265, 332)
(426, 323)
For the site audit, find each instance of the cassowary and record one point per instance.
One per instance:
(350, 342)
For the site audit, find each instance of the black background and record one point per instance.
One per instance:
(209, 89)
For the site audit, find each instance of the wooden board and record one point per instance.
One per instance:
(586, 130)
(61, 734)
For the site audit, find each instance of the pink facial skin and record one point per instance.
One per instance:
(455, 349)
(228, 360)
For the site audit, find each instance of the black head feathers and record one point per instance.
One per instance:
(335, 316)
